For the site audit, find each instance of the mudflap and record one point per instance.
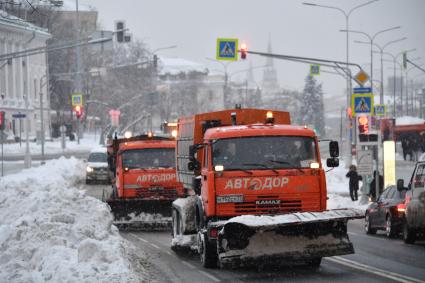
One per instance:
(289, 238)
(141, 214)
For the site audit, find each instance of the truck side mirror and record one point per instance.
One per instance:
(334, 149)
(193, 165)
(332, 162)
(400, 185)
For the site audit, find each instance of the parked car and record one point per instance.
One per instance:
(387, 212)
(97, 167)
(414, 224)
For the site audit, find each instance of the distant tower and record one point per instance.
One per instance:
(271, 86)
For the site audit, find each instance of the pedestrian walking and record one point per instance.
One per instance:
(353, 182)
(404, 147)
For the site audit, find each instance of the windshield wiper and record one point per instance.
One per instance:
(287, 163)
(262, 165)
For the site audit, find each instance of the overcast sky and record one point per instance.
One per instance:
(295, 29)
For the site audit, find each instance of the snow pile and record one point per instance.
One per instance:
(408, 120)
(51, 231)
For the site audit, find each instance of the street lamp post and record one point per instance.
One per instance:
(226, 79)
(347, 16)
(407, 89)
(381, 49)
(371, 39)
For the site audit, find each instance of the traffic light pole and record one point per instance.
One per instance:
(2, 157)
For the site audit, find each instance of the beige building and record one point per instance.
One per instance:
(23, 79)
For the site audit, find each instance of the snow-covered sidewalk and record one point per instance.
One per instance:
(50, 231)
(53, 147)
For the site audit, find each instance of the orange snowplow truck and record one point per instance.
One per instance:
(256, 190)
(144, 181)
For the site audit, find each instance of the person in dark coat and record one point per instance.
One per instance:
(354, 182)
(404, 145)
(372, 189)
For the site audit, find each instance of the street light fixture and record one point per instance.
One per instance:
(347, 16)
(381, 97)
(371, 39)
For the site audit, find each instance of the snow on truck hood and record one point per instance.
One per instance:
(51, 231)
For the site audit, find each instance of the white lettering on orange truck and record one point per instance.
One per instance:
(156, 178)
(256, 183)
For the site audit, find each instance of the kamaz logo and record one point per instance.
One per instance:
(267, 202)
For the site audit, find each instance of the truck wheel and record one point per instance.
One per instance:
(368, 225)
(207, 252)
(409, 234)
(389, 227)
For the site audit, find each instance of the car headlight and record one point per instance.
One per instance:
(89, 169)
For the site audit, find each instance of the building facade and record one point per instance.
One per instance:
(23, 83)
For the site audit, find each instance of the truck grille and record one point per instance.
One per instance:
(285, 206)
(157, 193)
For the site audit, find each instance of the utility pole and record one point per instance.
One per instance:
(78, 53)
(42, 120)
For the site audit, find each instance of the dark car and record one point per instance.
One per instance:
(387, 213)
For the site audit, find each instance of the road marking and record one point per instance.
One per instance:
(168, 253)
(380, 272)
(188, 264)
(140, 238)
(352, 233)
(210, 276)
(155, 246)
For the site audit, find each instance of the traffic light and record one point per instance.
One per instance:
(405, 60)
(363, 124)
(78, 111)
(2, 120)
(119, 26)
(364, 133)
(244, 51)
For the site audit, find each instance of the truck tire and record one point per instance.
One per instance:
(389, 227)
(368, 225)
(207, 252)
(409, 234)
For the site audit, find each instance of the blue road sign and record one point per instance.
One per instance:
(227, 49)
(362, 103)
(362, 90)
(18, 115)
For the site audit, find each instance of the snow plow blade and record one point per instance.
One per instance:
(141, 214)
(305, 236)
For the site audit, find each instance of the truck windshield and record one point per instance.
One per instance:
(148, 158)
(268, 152)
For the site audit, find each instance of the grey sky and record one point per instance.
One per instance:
(295, 29)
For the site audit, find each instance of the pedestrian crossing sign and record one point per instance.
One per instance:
(77, 99)
(227, 49)
(380, 110)
(362, 103)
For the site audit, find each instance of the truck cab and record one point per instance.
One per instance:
(261, 169)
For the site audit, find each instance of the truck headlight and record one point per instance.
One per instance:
(229, 198)
(89, 169)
